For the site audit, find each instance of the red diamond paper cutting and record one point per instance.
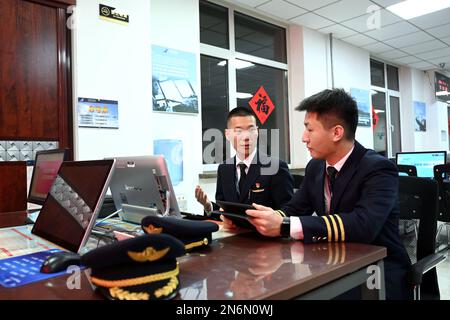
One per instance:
(261, 105)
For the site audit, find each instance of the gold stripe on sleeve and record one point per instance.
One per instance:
(336, 234)
(341, 226)
(328, 227)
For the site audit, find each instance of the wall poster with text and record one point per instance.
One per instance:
(98, 113)
(174, 80)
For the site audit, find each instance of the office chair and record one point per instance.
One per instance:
(298, 179)
(440, 173)
(408, 169)
(412, 172)
(418, 199)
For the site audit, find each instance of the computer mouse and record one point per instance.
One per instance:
(60, 261)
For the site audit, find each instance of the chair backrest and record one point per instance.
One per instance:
(298, 179)
(440, 173)
(408, 169)
(419, 200)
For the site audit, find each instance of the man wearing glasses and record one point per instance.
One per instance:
(250, 176)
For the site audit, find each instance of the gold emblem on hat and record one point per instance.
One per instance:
(152, 229)
(149, 254)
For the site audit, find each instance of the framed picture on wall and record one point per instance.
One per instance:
(362, 99)
(174, 80)
(98, 113)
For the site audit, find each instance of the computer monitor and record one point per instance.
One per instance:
(74, 200)
(424, 161)
(46, 166)
(142, 186)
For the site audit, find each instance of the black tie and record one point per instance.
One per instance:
(331, 171)
(242, 167)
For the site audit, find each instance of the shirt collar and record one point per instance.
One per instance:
(338, 165)
(248, 161)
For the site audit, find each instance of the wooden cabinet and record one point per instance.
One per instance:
(35, 71)
(13, 186)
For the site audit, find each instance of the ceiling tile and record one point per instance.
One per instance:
(377, 47)
(392, 31)
(434, 54)
(359, 40)
(281, 9)
(345, 9)
(424, 47)
(446, 40)
(364, 23)
(386, 3)
(436, 61)
(422, 65)
(312, 21)
(311, 4)
(338, 31)
(432, 19)
(409, 39)
(393, 54)
(440, 31)
(249, 3)
(407, 60)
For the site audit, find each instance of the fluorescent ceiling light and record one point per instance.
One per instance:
(415, 8)
(379, 111)
(239, 64)
(442, 93)
(243, 95)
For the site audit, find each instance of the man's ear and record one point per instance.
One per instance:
(228, 134)
(338, 133)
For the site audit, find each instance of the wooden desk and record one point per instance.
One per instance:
(248, 266)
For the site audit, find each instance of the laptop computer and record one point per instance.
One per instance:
(141, 186)
(45, 169)
(73, 203)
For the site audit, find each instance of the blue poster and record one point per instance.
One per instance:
(174, 80)
(362, 99)
(420, 116)
(172, 150)
(96, 113)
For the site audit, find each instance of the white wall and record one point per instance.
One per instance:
(417, 85)
(351, 68)
(113, 62)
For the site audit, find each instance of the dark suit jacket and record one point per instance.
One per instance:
(268, 190)
(364, 208)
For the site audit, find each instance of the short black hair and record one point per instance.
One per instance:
(333, 107)
(240, 112)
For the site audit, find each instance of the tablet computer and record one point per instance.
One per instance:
(236, 213)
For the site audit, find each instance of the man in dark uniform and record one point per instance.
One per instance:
(352, 190)
(250, 176)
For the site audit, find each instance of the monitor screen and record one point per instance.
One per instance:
(46, 166)
(73, 203)
(144, 181)
(423, 161)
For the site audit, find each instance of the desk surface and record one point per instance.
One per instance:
(244, 266)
